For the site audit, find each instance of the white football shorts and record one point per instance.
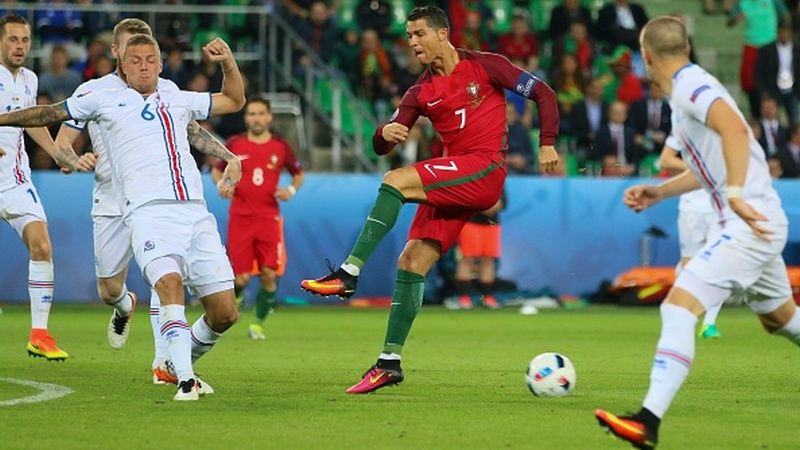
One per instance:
(20, 206)
(112, 245)
(187, 231)
(693, 229)
(735, 259)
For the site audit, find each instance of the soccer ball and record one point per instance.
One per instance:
(550, 375)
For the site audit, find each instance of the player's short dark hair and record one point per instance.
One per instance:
(141, 39)
(11, 18)
(433, 15)
(131, 26)
(258, 99)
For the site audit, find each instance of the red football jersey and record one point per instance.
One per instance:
(261, 169)
(467, 107)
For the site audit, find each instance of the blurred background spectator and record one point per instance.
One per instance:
(563, 15)
(616, 143)
(789, 156)
(773, 132)
(650, 119)
(59, 81)
(521, 157)
(619, 23)
(778, 71)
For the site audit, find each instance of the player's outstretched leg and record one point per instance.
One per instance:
(383, 216)
(406, 303)
(671, 364)
(40, 289)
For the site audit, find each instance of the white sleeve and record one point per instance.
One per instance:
(199, 104)
(695, 99)
(83, 107)
(673, 143)
(80, 91)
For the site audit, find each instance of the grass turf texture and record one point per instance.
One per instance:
(464, 385)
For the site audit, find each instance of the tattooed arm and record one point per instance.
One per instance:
(206, 143)
(35, 116)
(62, 153)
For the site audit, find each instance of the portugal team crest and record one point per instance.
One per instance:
(474, 91)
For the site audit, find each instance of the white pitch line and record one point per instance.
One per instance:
(48, 392)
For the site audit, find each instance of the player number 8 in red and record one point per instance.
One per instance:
(258, 176)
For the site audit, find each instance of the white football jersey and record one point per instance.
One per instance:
(693, 92)
(15, 93)
(146, 140)
(697, 201)
(106, 200)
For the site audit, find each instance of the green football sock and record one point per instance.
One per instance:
(380, 220)
(406, 303)
(264, 302)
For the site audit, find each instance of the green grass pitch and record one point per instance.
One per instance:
(464, 384)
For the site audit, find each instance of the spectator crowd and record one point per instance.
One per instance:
(613, 121)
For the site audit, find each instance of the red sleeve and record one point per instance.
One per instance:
(407, 114)
(290, 162)
(506, 75)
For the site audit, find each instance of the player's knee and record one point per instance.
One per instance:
(393, 178)
(109, 289)
(41, 250)
(410, 264)
(241, 280)
(222, 320)
(171, 282)
(268, 278)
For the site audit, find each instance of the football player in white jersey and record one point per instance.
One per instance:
(20, 204)
(173, 235)
(696, 219)
(745, 252)
(112, 239)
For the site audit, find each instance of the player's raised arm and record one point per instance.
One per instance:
(505, 74)
(395, 131)
(231, 98)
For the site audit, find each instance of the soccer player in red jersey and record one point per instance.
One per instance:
(255, 228)
(461, 92)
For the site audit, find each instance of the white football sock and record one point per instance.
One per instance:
(176, 333)
(674, 356)
(123, 303)
(389, 356)
(161, 352)
(711, 315)
(791, 330)
(40, 289)
(203, 338)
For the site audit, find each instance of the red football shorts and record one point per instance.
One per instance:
(457, 187)
(256, 242)
(479, 240)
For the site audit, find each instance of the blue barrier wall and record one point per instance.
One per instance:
(568, 234)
